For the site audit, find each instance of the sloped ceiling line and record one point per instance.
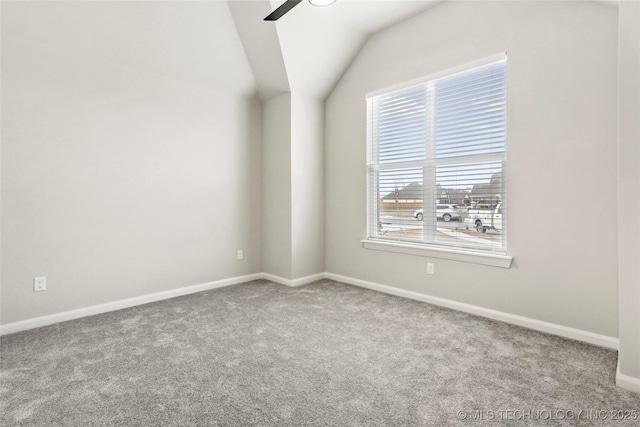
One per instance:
(308, 50)
(262, 46)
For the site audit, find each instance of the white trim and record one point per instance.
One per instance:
(51, 319)
(484, 258)
(293, 282)
(627, 382)
(309, 279)
(538, 325)
(484, 62)
(622, 380)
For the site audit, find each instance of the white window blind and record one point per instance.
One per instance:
(436, 161)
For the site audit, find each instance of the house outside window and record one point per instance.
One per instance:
(436, 161)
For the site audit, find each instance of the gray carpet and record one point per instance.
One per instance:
(322, 354)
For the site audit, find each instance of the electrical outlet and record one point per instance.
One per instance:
(39, 284)
(240, 254)
(430, 268)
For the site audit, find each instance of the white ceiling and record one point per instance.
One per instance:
(314, 44)
(309, 48)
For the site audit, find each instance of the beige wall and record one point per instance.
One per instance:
(293, 186)
(629, 189)
(307, 185)
(562, 83)
(130, 152)
(276, 186)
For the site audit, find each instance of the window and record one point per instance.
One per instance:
(436, 161)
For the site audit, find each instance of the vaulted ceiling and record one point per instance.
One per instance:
(309, 48)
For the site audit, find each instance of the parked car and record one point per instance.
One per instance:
(485, 219)
(446, 212)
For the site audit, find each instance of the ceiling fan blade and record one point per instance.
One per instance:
(284, 8)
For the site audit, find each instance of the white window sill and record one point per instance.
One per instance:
(492, 259)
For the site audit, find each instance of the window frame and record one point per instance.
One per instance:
(493, 257)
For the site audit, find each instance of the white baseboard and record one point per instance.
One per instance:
(626, 381)
(551, 328)
(563, 331)
(37, 322)
(51, 319)
(293, 282)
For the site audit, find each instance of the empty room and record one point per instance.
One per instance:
(317, 212)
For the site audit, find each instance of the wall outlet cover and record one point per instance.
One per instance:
(39, 284)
